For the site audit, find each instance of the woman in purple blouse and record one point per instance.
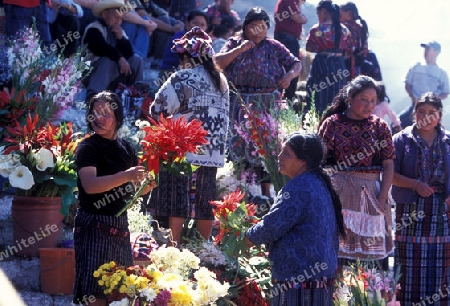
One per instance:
(258, 67)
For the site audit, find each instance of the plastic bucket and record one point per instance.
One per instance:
(37, 223)
(57, 270)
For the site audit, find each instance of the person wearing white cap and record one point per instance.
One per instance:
(425, 77)
(109, 49)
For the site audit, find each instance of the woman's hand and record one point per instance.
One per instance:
(149, 187)
(285, 80)
(248, 242)
(137, 174)
(246, 45)
(424, 190)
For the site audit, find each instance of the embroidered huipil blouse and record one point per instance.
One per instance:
(356, 145)
(190, 93)
(258, 69)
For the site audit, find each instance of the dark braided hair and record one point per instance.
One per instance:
(256, 13)
(116, 105)
(310, 148)
(354, 87)
(432, 99)
(334, 11)
(350, 6)
(210, 66)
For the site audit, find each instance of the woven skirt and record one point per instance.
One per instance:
(183, 196)
(171, 197)
(368, 224)
(95, 247)
(325, 80)
(313, 293)
(422, 249)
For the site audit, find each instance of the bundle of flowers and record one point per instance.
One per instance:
(363, 285)
(165, 144)
(39, 160)
(247, 269)
(210, 255)
(173, 278)
(248, 274)
(167, 141)
(48, 80)
(235, 217)
(262, 132)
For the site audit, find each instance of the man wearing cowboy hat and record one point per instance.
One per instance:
(109, 49)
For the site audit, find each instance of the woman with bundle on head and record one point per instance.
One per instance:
(170, 61)
(421, 191)
(259, 67)
(302, 227)
(199, 91)
(107, 167)
(329, 39)
(360, 156)
(359, 33)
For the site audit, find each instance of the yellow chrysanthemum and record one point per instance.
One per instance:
(131, 280)
(104, 267)
(155, 274)
(112, 264)
(96, 274)
(170, 277)
(101, 283)
(123, 289)
(181, 295)
(141, 282)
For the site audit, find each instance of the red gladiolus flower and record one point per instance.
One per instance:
(169, 140)
(229, 203)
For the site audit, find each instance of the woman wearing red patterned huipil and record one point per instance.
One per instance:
(329, 39)
(359, 33)
(360, 158)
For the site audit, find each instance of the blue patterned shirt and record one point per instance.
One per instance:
(301, 230)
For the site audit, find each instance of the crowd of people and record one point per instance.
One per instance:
(344, 181)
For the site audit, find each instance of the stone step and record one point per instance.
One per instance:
(43, 299)
(22, 273)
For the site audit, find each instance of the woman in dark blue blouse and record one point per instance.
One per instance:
(302, 227)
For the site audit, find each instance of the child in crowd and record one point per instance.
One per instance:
(220, 35)
(382, 109)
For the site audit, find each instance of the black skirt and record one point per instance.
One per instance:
(95, 246)
(183, 196)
